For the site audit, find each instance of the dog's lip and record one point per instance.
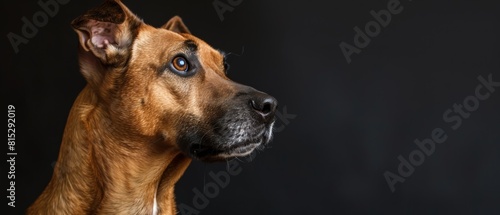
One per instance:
(207, 153)
(240, 151)
(245, 144)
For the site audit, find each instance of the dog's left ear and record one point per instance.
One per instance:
(106, 34)
(107, 31)
(175, 24)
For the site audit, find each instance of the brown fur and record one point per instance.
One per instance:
(120, 147)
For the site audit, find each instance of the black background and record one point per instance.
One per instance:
(352, 120)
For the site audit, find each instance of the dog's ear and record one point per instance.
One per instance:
(105, 34)
(175, 24)
(107, 30)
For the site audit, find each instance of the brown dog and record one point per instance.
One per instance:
(155, 99)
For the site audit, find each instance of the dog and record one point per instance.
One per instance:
(155, 99)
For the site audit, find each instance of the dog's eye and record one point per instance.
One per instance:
(180, 64)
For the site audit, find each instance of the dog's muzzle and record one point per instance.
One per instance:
(245, 125)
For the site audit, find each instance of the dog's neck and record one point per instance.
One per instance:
(101, 171)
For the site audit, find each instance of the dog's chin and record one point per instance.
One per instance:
(212, 151)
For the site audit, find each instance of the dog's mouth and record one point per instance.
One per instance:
(210, 153)
(224, 149)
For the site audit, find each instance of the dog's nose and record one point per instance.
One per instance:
(264, 104)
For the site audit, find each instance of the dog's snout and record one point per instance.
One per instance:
(264, 104)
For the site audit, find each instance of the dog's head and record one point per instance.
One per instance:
(166, 84)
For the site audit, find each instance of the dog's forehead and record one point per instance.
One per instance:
(157, 37)
(203, 48)
(169, 40)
